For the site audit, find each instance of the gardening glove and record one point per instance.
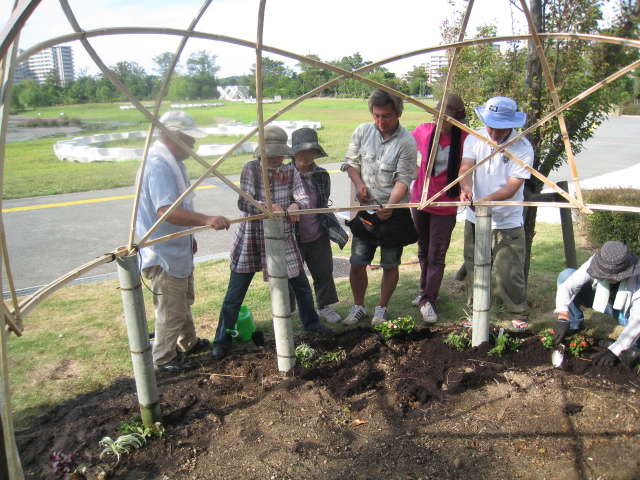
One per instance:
(560, 331)
(606, 358)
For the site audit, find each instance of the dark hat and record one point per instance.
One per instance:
(305, 139)
(275, 143)
(614, 261)
(455, 107)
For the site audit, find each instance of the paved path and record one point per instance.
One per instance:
(48, 237)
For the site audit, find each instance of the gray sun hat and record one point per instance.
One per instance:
(179, 121)
(305, 139)
(501, 112)
(615, 261)
(275, 143)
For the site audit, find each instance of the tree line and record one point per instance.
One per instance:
(198, 80)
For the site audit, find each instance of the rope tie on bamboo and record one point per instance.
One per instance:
(113, 256)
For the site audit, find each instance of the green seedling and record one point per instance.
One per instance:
(332, 356)
(125, 444)
(546, 337)
(134, 425)
(305, 355)
(458, 341)
(392, 328)
(503, 345)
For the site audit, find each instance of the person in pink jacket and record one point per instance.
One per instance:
(435, 224)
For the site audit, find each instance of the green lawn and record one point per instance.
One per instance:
(31, 168)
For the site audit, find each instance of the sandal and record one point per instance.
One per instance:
(519, 324)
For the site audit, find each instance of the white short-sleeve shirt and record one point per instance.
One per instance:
(494, 174)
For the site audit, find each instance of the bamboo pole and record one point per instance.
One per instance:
(138, 333)
(156, 110)
(481, 277)
(279, 287)
(554, 96)
(10, 466)
(443, 107)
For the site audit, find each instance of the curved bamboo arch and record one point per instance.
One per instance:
(26, 7)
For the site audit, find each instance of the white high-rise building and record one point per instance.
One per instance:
(39, 65)
(435, 64)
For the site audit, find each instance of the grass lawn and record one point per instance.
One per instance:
(32, 169)
(76, 341)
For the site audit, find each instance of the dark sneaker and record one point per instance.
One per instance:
(201, 345)
(178, 364)
(323, 330)
(218, 353)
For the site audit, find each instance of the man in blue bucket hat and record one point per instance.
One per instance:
(498, 179)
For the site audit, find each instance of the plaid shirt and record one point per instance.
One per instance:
(248, 251)
(328, 221)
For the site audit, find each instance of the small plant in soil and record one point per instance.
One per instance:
(135, 425)
(392, 328)
(546, 337)
(305, 355)
(458, 341)
(69, 466)
(124, 444)
(577, 345)
(503, 345)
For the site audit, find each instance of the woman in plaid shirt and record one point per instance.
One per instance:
(248, 252)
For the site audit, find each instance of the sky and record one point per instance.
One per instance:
(330, 29)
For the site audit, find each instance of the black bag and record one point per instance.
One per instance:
(396, 231)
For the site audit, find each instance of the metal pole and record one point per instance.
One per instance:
(482, 277)
(279, 286)
(569, 241)
(138, 331)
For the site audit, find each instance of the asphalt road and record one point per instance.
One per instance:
(48, 237)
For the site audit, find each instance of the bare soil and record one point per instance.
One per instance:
(409, 408)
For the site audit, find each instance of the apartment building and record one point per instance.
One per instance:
(39, 65)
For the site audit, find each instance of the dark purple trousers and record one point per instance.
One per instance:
(434, 237)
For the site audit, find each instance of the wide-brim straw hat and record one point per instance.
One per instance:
(614, 261)
(306, 139)
(179, 121)
(501, 112)
(275, 143)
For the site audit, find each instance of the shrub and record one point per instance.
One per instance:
(603, 226)
(631, 110)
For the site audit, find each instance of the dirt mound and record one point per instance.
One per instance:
(407, 408)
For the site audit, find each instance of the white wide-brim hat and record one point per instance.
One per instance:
(501, 112)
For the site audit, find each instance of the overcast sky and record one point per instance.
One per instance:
(330, 29)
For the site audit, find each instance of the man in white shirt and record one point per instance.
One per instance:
(500, 178)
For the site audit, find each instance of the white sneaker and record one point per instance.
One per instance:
(356, 314)
(329, 315)
(415, 302)
(428, 313)
(380, 316)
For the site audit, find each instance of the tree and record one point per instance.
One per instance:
(201, 67)
(277, 78)
(417, 81)
(517, 73)
(351, 88)
(135, 79)
(310, 76)
(163, 62)
(30, 95)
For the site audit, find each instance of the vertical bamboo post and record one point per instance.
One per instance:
(482, 277)
(138, 332)
(279, 287)
(569, 241)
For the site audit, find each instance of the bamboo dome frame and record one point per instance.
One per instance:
(15, 312)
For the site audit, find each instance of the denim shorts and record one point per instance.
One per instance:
(362, 253)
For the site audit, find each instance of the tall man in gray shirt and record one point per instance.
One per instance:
(380, 162)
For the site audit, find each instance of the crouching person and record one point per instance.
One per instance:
(609, 282)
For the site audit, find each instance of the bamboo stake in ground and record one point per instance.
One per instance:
(138, 332)
(481, 277)
(279, 287)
